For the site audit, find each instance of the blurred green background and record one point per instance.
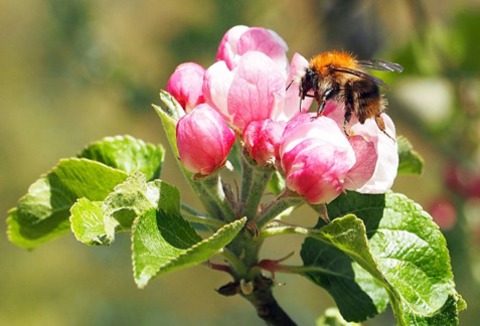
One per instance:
(72, 72)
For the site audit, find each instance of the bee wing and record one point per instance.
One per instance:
(381, 65)
(362, 74)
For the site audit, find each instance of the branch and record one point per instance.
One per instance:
(267, 307)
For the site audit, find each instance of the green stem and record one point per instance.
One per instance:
(280, 228)
(307, 269)
(254, 182)
(214, 188)
(282, 203)
(238, 267)
(247, 179)
(204, 220)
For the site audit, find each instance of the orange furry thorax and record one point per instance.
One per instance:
(324, 61)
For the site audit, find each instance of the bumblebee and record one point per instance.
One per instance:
(340, 77)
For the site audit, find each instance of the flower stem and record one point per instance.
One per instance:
(282, 203)
(214, 188)
(254, 181)
(204, 220)
(238, 267)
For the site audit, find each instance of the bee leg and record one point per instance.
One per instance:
(349, 106)
(321, 107)
(346, 120)
(381, 126)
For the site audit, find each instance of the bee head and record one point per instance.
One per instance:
(309, 81)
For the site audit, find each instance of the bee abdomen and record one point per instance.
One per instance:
(367, 102)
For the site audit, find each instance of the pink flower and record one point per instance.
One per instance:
(204, 140)
(242, 39)
(185, 85)
(319, 161)
(255, 90)
(316, 158)
(261, 140)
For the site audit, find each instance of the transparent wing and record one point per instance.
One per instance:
(381, 65)
(362, 74)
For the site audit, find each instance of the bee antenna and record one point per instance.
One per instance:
(289, 84)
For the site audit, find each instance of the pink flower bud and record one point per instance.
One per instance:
(204, 140)
(316, 158)
(242, 39)
(261, 139)
(185, 85)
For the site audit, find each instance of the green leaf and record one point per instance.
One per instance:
(410, 161)
(170, 114)
(164, 242)
(42, 214)
(29, 236)
(404, 245)
(96, 223)
(127, 154)
(357, 293)
(332, 317)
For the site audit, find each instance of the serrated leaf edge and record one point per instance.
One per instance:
(141, 283)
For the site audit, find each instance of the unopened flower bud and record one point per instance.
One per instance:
(204, 140)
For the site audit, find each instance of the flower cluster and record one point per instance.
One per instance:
(252, 90)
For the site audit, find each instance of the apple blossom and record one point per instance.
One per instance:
(204, 140)
(256, 92)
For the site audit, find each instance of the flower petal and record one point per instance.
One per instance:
(366, 160)
(265, 41)
(261, 140)
(387, 149)
(257, 89)
(315, 157)
(227, 50)
(185, 85)
(216, 85)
